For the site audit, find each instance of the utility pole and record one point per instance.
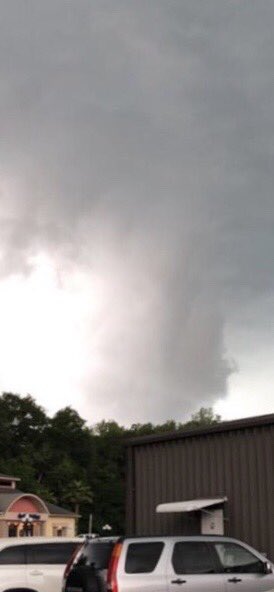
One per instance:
(90, 524)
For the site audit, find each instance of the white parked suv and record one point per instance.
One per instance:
(34, 564)
(187, 564)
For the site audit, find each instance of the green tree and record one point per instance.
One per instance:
(70, 437)
(203, 418)
(108, 479)
(22, 422)
(78, 493)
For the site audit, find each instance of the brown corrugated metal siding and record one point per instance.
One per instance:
(233, 459)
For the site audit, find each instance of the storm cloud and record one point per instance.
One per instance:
(137, 146)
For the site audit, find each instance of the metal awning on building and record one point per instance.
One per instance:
(190, 505)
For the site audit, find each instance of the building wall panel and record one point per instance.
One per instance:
(237, 463)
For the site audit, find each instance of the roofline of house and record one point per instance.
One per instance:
(224, 426)
(2, 476)
(19, 495)
(68, 515)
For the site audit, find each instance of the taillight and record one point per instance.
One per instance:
(112, 583)
(72, 560)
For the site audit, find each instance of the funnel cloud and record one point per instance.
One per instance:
(136, 205)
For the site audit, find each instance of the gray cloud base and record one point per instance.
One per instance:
(138, 141)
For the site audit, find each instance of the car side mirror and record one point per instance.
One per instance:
(267, 568)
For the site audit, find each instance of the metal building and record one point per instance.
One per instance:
(221, 478)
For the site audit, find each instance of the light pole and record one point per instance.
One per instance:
(90, 524)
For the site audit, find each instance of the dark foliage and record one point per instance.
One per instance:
(68, 463)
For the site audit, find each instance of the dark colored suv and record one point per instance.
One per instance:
(87, 570)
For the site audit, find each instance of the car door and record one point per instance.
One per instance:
(46, 564)
(243, 570)
(193, 567)
(13, 567)
(142, 566)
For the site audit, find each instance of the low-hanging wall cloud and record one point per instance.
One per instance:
(136, 155)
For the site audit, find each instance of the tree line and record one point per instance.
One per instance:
(71, 464)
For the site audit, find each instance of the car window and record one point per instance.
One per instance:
(13, 555)
(193, 558)
(143, 557)
(50, 553)
(96, 553)
(235, 558)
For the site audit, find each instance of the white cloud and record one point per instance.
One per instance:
(42, 339)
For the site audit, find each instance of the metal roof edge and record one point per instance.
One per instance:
(224, 426)
(194, 505)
